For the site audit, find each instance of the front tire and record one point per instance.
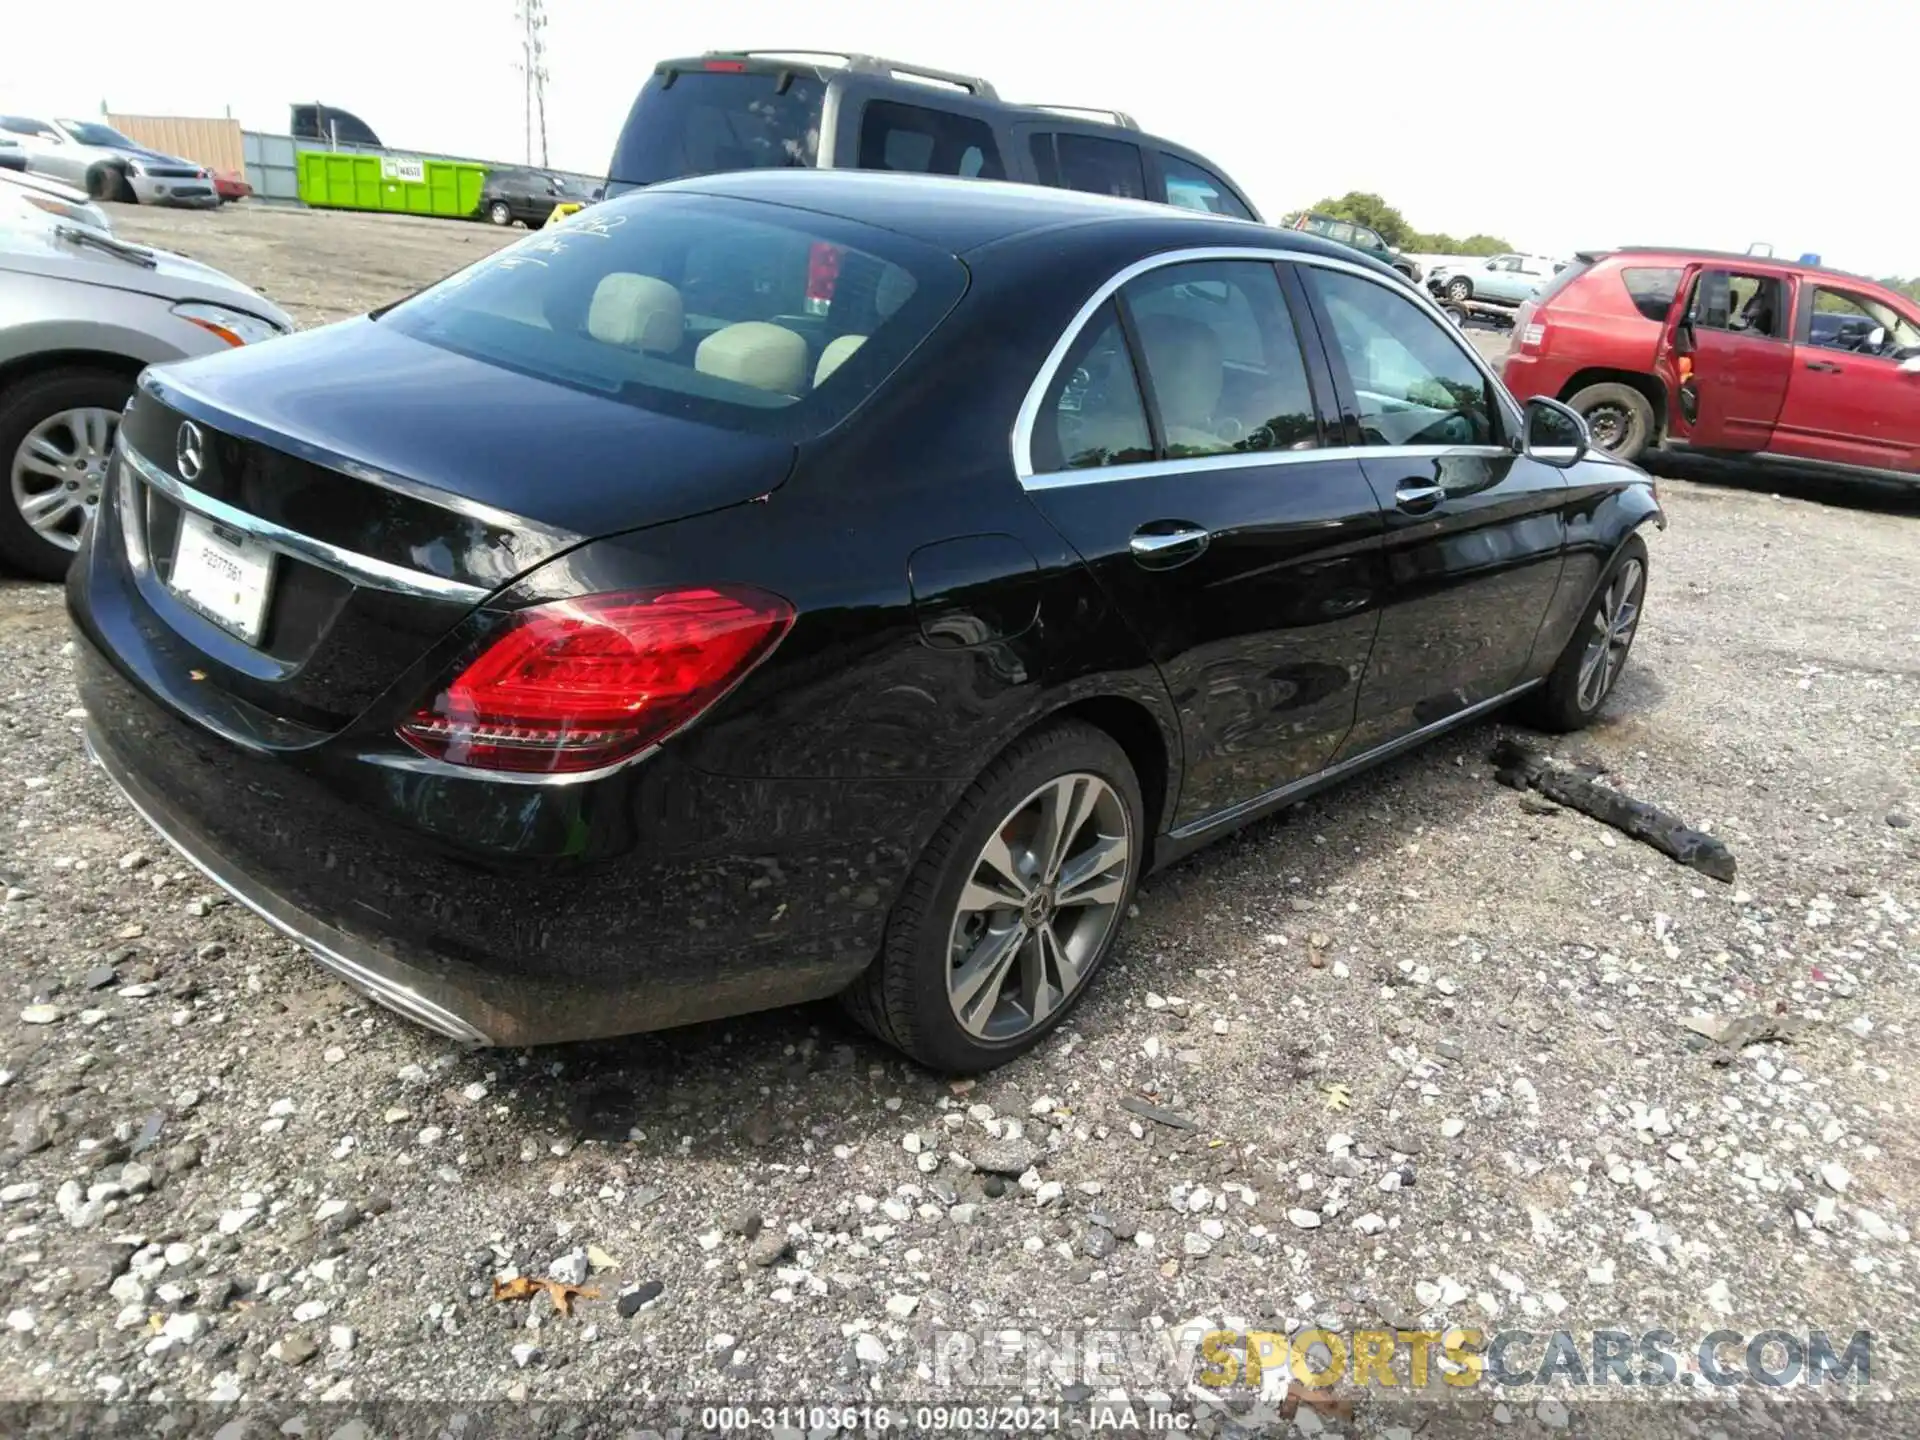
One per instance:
(104, 182)
(1013, 906)
(1587, 670)
(1459, 289)
(56, 441)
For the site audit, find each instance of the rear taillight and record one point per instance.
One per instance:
(575, 685)
(727, 67)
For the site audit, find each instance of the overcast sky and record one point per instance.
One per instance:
(1557, 125)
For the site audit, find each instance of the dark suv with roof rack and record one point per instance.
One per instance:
(760, 109)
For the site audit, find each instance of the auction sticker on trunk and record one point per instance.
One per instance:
(224, 575)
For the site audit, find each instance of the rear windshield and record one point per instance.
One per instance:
(1570, 273)
(749, 316)
(703, 122)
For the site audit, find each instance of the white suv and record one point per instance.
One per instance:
(1497, 280)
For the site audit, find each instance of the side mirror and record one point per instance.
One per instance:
(1554, 434)
(1876, 337)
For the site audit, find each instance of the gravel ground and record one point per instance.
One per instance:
(1411, 1055)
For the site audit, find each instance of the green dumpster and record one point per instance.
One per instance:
(398, 183)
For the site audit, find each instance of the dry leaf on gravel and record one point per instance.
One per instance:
(525, 1287)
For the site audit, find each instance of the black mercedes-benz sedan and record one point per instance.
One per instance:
(773, 586)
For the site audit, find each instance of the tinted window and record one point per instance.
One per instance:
(20, 125)
(1222, 359)
(1093, 414)
(1652, 288)
(1414, 384)
(1102, 167)
(708, 121)
(1193, 188)
(752, 317)
(1367, 239)
(912, 137)
(91, 132)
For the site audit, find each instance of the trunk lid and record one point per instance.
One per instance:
(396, 485)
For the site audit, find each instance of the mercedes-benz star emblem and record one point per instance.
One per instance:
(190, 449)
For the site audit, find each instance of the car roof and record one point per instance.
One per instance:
(1682, 252)
(963, 215)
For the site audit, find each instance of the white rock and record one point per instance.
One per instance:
(1339, 1143)
(20, 1321)
(1861, 1026)
(476, 1091)
(868, 1349)
(1390, 1182)
(1196, 1244)
(523, 1355)
(912, 1143)
(1370, 1224)
(1552, 1413)
(185, 1327)
(900, 1307)
(1303, 1219)
(1874, 1226)
(333, 1055)
(1601, 1274)
(280, 1109)
(234, 1221)
(178, 1254)
(1452, 1127)
(40, 1014)
(1835, 1176)
(308, 1311)
(1049, 1192)
(14, 1194)
(571, 1268)
(1719, 1297)
(341, 1337)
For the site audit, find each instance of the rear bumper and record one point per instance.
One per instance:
(691, 897)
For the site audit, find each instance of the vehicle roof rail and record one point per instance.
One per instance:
(1113, 117)
(873, 65)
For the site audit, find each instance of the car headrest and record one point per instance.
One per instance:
(636, 311)
(1188, 366)
(767, 357)
(839, 350)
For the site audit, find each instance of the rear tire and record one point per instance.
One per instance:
(500, 213)
(1588, 669)
(62, 470)
(1620, 417)
(1457, 314)
(988, 924)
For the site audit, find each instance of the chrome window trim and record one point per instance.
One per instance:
(1029, 413)
(362, 570)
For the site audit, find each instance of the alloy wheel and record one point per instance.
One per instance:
(1040, 901)
(1614, 620)
(59, 470)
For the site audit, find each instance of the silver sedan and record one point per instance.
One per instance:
(81, 314)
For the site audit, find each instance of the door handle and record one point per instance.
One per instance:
(1823, 367)
(1173, 546)
(1416, 499)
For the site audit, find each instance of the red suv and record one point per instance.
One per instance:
(1729, 354)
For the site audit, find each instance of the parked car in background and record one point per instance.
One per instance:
(516, 194)
(106, 164)
(1360, 237)
(1737, 355)
(230, 186)
(83, 313)
(331, 125)
(51, 197)
(755, 109)
(1496, 280)
(885, 671)
(12, 156)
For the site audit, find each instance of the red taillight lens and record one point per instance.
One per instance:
(728, 67)
(578, 684)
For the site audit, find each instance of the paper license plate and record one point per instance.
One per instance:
(224, 575)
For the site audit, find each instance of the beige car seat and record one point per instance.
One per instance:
(638, 312)
(756, 353)
(1189, 374)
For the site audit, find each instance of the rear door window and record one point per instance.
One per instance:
(1100, 166)
(1223, 361)
(927, 142)
(704, 122)
(1193, 188)
(1093, 414)
(1652, 288)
